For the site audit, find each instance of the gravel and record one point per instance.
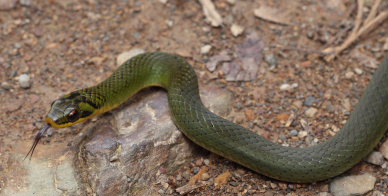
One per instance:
(24, 81)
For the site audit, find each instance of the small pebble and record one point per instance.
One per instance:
(233, 183)
(286, 86)
(196, 170)
(358, 71)
(309, 101)
(349, 74)
(24, 81)
(311, 112)
(6, 86)
(302, 134)
(206, 161)
(205, 177)
(294, 132)
(271, 59)
(375, 158)
(236, 30)
(206, 49)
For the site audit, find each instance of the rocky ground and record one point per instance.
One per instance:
(259, 64)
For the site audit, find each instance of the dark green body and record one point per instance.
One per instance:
(365, 127)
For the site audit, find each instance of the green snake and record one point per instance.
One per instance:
(362, 132)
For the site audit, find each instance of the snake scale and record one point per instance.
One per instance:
(362, 132)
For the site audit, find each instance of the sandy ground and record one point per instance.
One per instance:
(66, 45)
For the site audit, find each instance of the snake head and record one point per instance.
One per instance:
(70, 109)
(65, 111)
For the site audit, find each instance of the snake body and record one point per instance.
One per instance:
(362, 132)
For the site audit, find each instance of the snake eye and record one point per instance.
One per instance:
(73, 116)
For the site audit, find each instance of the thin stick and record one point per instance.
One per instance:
(373, 11)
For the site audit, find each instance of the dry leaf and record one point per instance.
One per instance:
(273, 15)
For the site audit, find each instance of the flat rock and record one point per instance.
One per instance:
(131, 157)
(352, 185)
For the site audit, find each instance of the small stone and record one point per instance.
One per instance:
(285, 87)
(375, 158)
(384, 149)
(311, 112)
(294, 132)
(6, 86)
(236, 30)
(233, 183)
(24, 81)
(161, 191)
(358, 71)
(206, 49)
(205, 177)
(349, 74)
(309, 101)
(206, 161)
(124, 56)
(163, 1)
(196, 170)
(198, 162)
(302, 134)
(271, 59)
(353, 185)
(7, 4)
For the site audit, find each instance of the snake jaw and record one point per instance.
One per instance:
(36, 140)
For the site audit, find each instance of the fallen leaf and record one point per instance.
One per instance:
(246, 66)
(222, 178)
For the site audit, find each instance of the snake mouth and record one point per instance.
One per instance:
(36, 140)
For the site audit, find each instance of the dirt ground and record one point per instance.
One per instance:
(63, 45)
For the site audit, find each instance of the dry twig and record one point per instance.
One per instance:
(360, 28)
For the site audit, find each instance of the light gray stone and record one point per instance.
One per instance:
(375, 158)
(24, 81)
(352, 185)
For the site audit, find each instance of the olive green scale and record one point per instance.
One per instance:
(364, 129)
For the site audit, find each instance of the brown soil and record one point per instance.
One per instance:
(68, 44)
